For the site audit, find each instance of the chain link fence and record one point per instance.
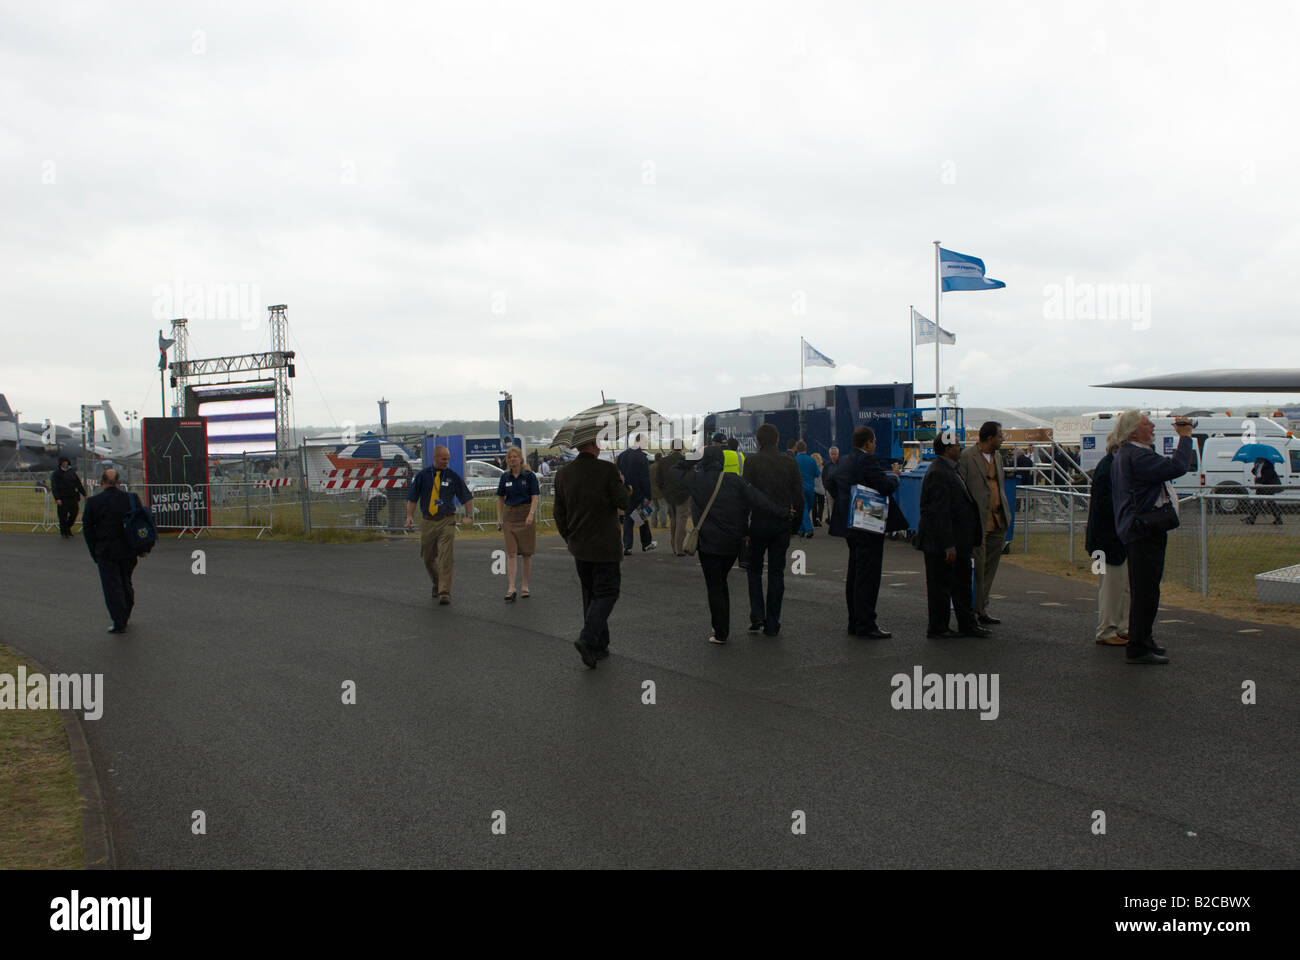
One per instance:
(1219, 546)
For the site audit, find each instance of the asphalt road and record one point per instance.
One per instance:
(225, 696)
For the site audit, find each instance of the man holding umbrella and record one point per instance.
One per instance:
(1265, 478)
(589, 493)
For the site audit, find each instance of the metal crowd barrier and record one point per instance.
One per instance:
(28, 504)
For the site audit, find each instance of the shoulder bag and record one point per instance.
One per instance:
(693, 538)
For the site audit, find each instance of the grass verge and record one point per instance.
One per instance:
(40, 810)
(1171, 594)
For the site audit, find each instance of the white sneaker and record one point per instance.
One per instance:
(652, 545)
(714, 639)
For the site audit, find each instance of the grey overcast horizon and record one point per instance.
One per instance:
(654, 201)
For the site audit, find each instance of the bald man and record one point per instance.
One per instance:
(436, 489)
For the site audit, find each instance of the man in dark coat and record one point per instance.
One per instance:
(106, 540)
(724, 527)
(589, 493)
(947, 533)
(635, 467)
(866, 550)
(67, 490)
(1139, 484)
(776, 476)
(1109, 557)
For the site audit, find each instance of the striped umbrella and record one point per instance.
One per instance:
(607, 422)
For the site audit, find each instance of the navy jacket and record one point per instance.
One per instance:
(856, 468)
(588, 497)
(1101, 516)
(635, 467)
(1136, 478)
(101, 525)
(776, 476)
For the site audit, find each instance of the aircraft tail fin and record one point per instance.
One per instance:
(119, 441)
(6, 414)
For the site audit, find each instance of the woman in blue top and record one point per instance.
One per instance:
(517, 496)
(808, 473)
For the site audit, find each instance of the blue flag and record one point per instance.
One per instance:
(960, 272)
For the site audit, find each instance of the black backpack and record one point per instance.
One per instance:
(138, 525)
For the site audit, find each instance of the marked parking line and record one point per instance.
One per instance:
(997, 596)
(1036, 591)
(1051, 603)
(1250, 631)
(899, 584)
(1174, 621)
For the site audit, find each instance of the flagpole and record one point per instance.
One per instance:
(801, 367)
(911, 346)
(937, 321)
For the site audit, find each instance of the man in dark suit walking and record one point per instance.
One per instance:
(589, 493)
(947, 533)
(866, 549)
(106, 539)
(67, 489)
(776, 476)
(981, 467)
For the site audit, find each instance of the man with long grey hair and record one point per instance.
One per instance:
(1141, 491)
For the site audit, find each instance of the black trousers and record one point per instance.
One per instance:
(819, 508)
(715, 567)
(773, 546)
(119, 595)
(949, 583)
(68, 509)
(627, 533)
(600, 586)
(1146, 568)
(862, 580)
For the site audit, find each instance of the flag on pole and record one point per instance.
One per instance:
(957, 271)
(925, 330)
(163, 345)
(815, 358)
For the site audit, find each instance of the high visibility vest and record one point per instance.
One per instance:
(733, 461)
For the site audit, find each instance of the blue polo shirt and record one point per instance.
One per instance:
(520, 489)
(449, 486)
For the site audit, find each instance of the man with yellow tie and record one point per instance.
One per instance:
(436, 489)
(981, 467)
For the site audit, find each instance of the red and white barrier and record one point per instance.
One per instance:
(366, 478)
(277, 482)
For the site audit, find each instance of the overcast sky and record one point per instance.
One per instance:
(656, 200)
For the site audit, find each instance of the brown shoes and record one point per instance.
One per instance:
(1115, 641)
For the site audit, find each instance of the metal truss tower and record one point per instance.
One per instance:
(180, 354)
(279, 328)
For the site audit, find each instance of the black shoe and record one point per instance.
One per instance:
(987, 621)
(117, 629)
(444, 600)
(1277, 522)
(771, 633)
(601, 654)
(1147, 658)
(976, 632)
(588, 655)
(1160, 651)
(755, 626)
(876, 634)
(510, 597)
(627, 552)
(945, 635)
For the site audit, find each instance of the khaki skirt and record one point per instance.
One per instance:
(521, 536)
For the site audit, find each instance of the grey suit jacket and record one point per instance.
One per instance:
(973, 469)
